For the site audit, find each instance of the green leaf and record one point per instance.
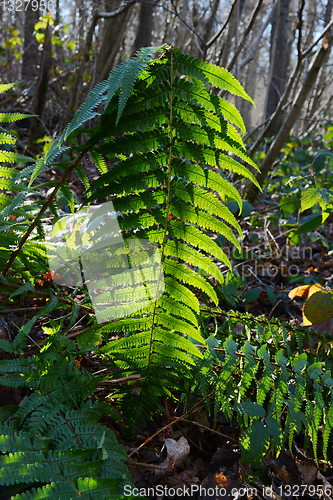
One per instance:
(310, 225)
(276, 432)
(310, 197)
(271, 296)
(315, 370)
(319, 307)
(27, 287)
(251, 295)
(254, 442)
(251, 409)
(299, 362)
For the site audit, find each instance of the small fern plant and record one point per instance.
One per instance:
(171, 142)
(16, 212)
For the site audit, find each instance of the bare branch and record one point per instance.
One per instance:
(246, 32)
(117, 12)
(253, 49)
(175, 12)
(323, 33)
(219, 33)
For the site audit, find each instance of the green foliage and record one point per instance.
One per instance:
(171, 140)
(277, 388)
(53, 444)
(163, 145)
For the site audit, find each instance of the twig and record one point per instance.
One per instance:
(136, 376)
(323, 33)
(184, 415)
(150, 466)
(20, 309)
(37, 293)
(250, 55)
(245, 34)
(117, 12)
(210, 430)
(219, 33)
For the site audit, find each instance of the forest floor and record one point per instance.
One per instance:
(201, 457)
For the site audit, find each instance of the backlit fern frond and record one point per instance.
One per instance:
(169, 145)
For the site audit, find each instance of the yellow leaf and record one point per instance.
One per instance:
(304, 291)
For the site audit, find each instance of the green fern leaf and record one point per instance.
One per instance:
(204, 71)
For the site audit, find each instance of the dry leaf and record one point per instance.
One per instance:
(307, 470)
(219, 482)
(325, 42)
(326, 327)
(304, 291)
(177, 451)
(327, 487)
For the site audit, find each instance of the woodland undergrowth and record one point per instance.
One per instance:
(164, 145)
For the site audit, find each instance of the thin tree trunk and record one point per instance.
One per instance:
(30, 51)
(145, 28)
(294, 112)
(318, 91)
(279, 59)
(208, 29)
(113, 35)
(36, 130)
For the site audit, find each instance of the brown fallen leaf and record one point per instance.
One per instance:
(218, 486)
(307, 469)
(326, 327)
(325, 42)
(327, 487)
(304, 291)
(177, 451)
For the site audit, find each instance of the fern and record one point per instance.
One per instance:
(172, 137)
(53, 439)
(163, 145)
(300, 387)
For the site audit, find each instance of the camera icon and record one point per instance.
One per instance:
(122, 276)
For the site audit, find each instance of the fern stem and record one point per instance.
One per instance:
(170, 152)
(273, 321)
(167, 200)
(46, 205)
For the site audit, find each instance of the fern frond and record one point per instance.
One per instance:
(13, 117)
(86, 111)
(219, 77)
(125, 76)
(7, 138)
(6, 86)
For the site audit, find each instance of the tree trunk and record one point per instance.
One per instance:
(113, 35)
(279, 59)
(294, 112)
(208, 29)
(232, 30)
(322, 80)
(182, 29)
(145, 28)
(36, 130)
(30, 50)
